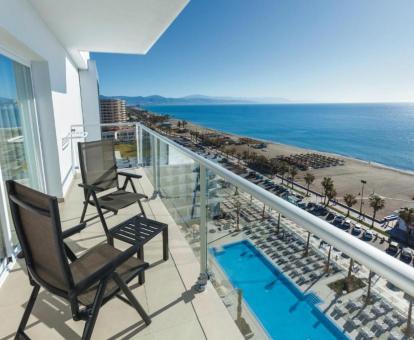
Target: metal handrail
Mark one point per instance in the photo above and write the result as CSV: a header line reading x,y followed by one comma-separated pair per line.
x,y
392,269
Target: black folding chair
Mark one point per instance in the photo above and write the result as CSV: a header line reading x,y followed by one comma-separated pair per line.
x,y
99,174
87,282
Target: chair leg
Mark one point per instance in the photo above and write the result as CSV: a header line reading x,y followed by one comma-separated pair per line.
x,y
142,209
27,312
132,299
85,206
101,217
90,324
141,275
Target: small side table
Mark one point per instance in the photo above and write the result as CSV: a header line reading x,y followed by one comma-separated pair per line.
x,y
139,228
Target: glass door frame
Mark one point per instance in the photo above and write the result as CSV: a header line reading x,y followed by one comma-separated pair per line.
x,y
5,220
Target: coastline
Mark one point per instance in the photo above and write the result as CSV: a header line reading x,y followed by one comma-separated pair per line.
x,y
391,183
301,149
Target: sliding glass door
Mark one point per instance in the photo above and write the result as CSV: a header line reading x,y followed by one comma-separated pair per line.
x,y
20,157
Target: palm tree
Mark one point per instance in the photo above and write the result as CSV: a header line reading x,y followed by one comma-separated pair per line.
x,y
309,178
350,200
293,172
233,151
196,135
349,276
330,195
376,203
238,206
274,169
327,185
283,169
239,156
407,215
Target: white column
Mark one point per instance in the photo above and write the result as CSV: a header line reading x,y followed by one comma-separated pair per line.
x,y
90,101
47,129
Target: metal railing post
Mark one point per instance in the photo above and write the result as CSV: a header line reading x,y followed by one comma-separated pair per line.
x,y
156,166
138,136
154,162
158,153
203,278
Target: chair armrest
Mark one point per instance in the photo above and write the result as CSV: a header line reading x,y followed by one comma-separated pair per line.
x,y
106,270
90,187
73,230
128,174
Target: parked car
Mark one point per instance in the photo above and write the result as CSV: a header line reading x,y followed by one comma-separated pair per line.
x,y
346,225
310,206
338,220
302,205
393,248
356,230
323,211
330,217
406,255
319,210
368,235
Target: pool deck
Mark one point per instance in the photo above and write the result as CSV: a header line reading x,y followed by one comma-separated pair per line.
x,y
350,319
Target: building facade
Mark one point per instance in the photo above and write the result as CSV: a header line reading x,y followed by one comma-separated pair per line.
x,y
49,85
112,111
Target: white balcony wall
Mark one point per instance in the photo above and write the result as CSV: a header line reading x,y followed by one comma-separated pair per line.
x,y
67,111
26,38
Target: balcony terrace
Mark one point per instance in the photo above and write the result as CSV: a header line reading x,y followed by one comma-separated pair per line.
x,y
168,295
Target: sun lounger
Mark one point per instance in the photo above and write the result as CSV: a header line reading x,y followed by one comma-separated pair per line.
x,y
313,276
338,311
363,334
395,335
352,305
355,323
380,325
390,322
377,311
386,306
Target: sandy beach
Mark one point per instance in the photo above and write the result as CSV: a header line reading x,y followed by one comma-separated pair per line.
x,y
395,186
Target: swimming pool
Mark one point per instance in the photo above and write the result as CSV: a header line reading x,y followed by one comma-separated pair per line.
x,y
282,309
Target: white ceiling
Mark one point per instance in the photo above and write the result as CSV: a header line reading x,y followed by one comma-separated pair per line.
x,y
116,26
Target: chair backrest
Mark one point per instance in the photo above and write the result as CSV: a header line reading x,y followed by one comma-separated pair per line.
x,y
37,223
98,164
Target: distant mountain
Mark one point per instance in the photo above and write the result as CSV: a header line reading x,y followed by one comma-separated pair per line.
x,y
196,99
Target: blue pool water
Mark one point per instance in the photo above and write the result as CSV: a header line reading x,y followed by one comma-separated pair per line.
x,y
283,310
382,133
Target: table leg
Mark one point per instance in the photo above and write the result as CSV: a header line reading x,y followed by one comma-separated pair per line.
x,y
165,244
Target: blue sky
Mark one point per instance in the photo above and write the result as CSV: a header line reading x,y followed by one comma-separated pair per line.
x,y
307,50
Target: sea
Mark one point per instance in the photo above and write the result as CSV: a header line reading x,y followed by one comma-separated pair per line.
x,y
382,133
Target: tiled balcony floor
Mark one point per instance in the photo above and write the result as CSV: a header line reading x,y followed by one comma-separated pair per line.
x,y
177,312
